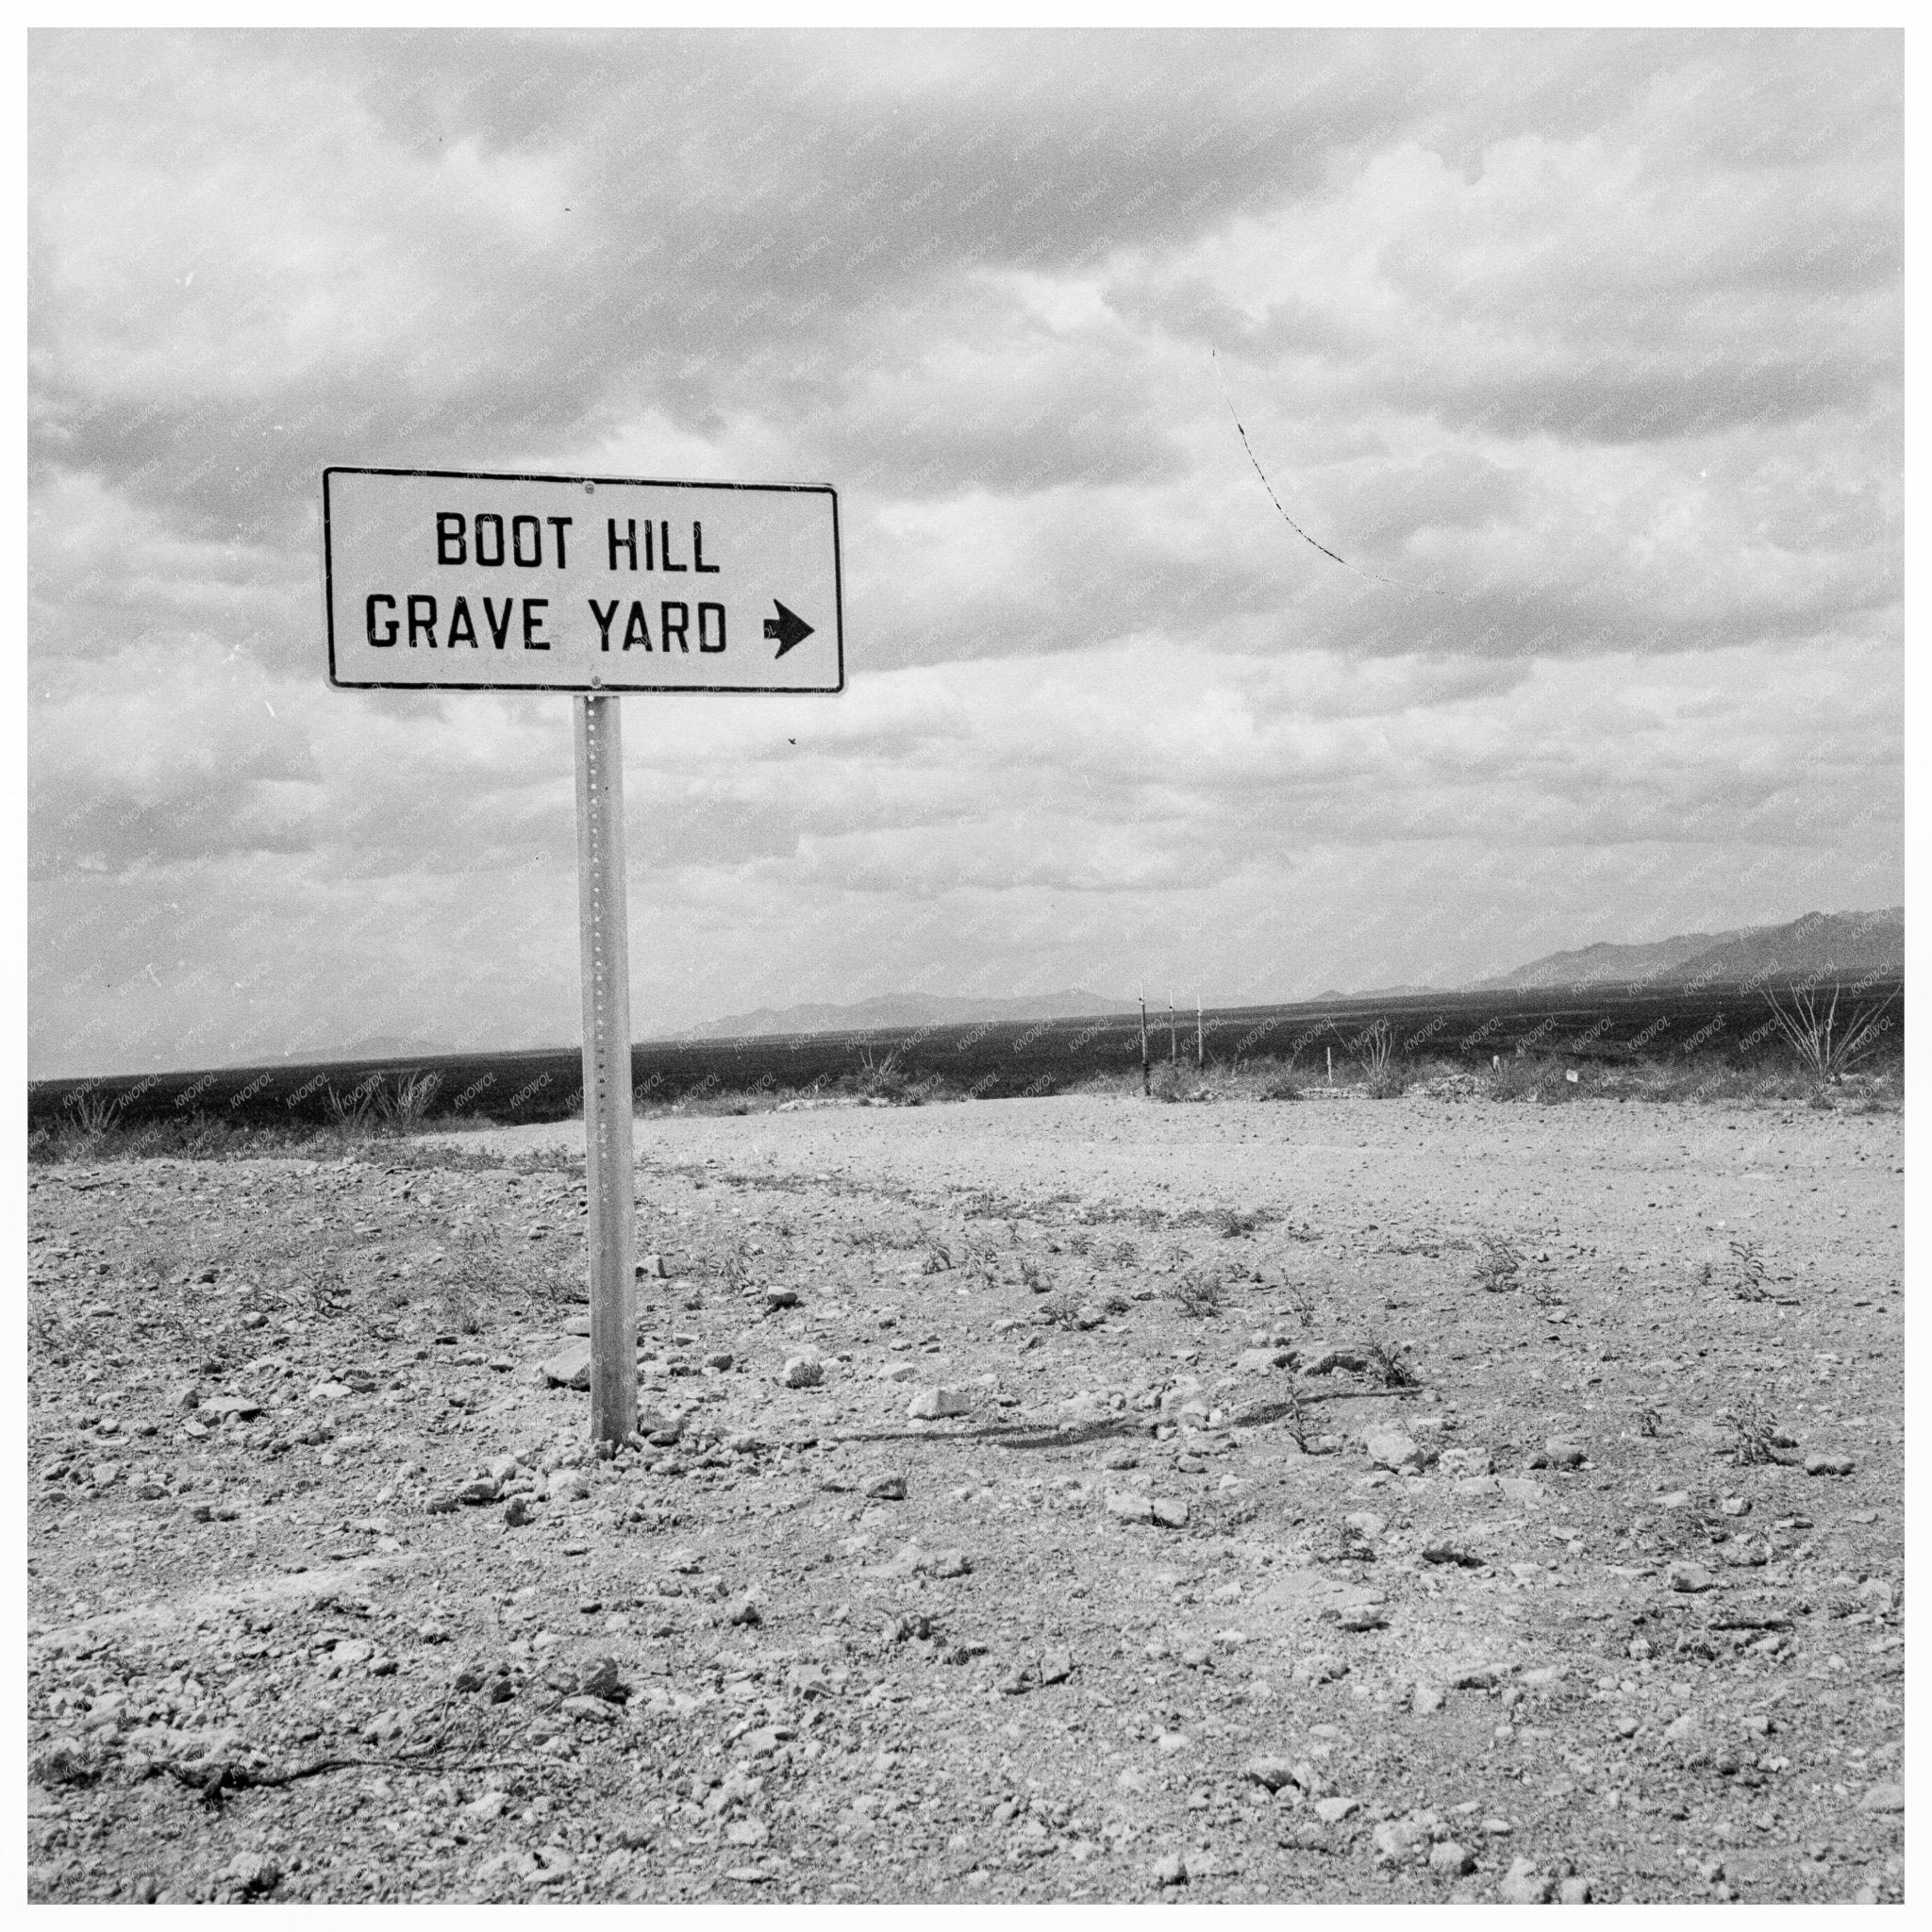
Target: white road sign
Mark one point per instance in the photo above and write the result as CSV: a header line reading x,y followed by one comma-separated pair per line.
x,y
447,580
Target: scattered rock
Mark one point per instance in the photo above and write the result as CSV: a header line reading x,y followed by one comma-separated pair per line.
x,y
1689,1577
1397,1840
567,1486
1053,1668
1178,1393
64,1761
1574,1892
478,1491
1172,1511
1393,1450
1818,1463
1426,1699
600,1678
1451,1858
1333,1810
1272,1774
930,1404
1564,1453
568,1368
1319,1668
803,1372
1170,1870
253,1873
240,1407
1131,1505
1884,1798
887,1489
1524,1885
517,1512
1328,1362
1452,1553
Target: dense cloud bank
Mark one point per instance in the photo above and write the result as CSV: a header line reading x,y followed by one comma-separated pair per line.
x,y
1582,350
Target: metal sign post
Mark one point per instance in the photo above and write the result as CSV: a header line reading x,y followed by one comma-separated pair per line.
x,y
451,580
605,944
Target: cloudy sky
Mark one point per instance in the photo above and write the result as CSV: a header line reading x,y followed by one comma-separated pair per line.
x,y
1584,351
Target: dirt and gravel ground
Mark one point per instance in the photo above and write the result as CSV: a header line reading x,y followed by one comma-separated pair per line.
x,y
1292,1539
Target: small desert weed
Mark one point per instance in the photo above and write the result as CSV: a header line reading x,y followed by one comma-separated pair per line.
x,y
1200,1292
1389,1364
1754,1429
1498,1262
1747,1271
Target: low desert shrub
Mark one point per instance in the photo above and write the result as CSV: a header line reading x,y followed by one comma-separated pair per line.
x,y
1498,1262
1170,1083
1754,1434
1200,1292
1373,1049
1390,1364
409,1103
1825,1046
1295,1420
1231,1222
1746,1275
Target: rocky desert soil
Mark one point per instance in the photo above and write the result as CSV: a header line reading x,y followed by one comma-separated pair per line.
x,y
1039,1499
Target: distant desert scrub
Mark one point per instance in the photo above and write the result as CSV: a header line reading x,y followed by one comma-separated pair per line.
x,y
1239,1078
1823,1045
1373,1050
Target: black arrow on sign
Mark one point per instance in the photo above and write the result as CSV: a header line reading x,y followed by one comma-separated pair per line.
x,y
788,628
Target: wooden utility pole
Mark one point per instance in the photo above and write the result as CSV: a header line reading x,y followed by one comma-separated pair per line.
x,y
1146,1074
1200,1043
1173,1051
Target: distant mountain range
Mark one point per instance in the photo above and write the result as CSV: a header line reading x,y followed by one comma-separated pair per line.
x,y
897,1011
1842,942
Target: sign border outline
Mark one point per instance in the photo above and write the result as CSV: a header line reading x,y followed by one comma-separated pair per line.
x,y
788,690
